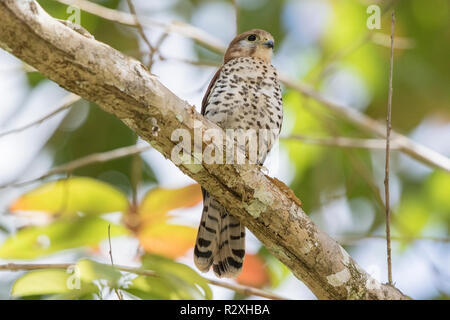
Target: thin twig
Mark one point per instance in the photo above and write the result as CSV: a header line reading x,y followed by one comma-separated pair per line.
x,y
179,27
156,48
66,103
142,33
110,247
139,26
81,162
153,49
343,142
236,14
246,290
388,135
118,294
349,239
198,63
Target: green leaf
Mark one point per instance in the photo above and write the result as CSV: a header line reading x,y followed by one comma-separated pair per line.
x,y
159,288
91,271
438,186
276,269
412,215
51,281
65,285
67,197
178,274
174,281
35,78
33,242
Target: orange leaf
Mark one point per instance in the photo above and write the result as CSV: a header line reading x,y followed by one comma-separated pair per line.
x,y
166,239
254,272
159,201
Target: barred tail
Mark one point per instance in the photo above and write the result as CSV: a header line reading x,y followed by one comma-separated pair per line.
x,y
206,244
220,240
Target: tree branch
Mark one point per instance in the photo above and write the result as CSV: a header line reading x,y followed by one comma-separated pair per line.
x,y
66,103
341,142
369,125
93,158
123,87
124,18
351,239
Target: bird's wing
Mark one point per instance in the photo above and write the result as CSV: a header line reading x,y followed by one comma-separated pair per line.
x,y
208,91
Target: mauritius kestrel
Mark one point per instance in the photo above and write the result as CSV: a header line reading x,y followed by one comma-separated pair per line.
x,y
244,94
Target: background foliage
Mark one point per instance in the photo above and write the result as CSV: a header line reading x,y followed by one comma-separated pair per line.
x,y
153,210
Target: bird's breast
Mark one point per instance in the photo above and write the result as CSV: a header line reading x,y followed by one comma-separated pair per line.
x,y
246,95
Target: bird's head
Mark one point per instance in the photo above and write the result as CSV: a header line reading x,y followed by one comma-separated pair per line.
x,y
254,43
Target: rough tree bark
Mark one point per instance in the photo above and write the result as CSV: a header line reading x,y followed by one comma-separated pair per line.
x,y
123,87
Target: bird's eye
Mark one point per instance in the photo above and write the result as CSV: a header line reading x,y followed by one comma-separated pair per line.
x,y
251,37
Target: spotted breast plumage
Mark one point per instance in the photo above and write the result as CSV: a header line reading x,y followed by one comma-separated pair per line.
x,y
244,94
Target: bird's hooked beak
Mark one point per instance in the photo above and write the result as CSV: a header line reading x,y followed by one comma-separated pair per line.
x,y
269,44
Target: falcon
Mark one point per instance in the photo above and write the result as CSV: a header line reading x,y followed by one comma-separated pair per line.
x,y
244,94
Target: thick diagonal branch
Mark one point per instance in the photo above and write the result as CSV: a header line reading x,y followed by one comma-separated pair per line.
x,y
123,87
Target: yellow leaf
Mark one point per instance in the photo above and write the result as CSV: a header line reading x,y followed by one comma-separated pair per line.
x,y
69,196
168,240
51,281
34,242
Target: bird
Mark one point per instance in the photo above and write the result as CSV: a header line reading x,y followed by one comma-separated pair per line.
x,y
245,94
